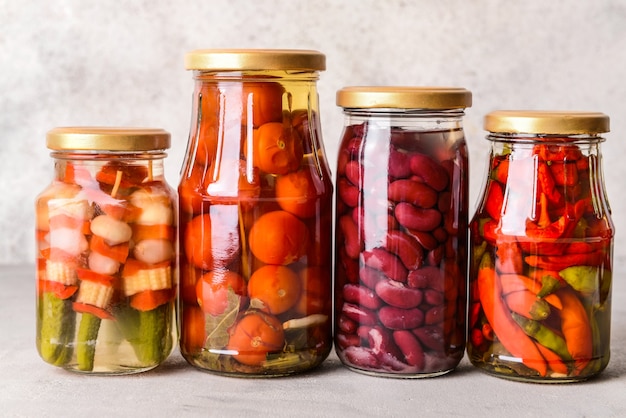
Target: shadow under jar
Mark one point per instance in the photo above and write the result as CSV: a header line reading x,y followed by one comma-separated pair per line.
x,y
541,250
106,252
255,216
401,230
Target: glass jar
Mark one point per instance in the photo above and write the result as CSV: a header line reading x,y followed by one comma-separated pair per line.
x,y
541,249
401,230
106,246
256,215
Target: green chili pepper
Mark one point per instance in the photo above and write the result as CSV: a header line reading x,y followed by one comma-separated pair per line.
x,y
549,284
56,329
543,335
86,341
583,279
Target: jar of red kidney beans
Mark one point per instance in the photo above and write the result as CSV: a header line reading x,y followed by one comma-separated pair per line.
x,y
401,230
541,246
255,215
106,229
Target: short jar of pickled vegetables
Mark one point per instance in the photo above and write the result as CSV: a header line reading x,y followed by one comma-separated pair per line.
x,y
401,230
541,249
106,238
255,215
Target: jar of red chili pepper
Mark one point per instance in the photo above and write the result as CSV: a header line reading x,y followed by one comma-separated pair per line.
x,y
401,230
541,249
106,245
256,215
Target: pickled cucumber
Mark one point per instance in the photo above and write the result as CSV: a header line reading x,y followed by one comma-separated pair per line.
x,y
57,322
86,341
148,332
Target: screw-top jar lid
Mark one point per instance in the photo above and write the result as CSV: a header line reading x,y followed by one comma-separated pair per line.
x,y
255,59
107,139
546,122
404,97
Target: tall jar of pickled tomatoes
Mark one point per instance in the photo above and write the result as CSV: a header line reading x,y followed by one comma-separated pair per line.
x,y
401,230
255,215
541,249
106,252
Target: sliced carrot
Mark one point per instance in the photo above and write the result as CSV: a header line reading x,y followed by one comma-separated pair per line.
x,y
64,221
90,275
56,254
94,310
118,252
162,231
131,174
150,299
59,289
132,266
69,176
123,212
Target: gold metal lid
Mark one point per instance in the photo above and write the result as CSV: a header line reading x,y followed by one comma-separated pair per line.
x,y
546,122
255,59
92,138
397,97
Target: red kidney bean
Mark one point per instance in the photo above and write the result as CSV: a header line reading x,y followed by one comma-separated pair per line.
x,y
381,259
347,340
369,277
361,295
440,235
363,333
418,194
398,295
433,297
410,347
354,173
426,277
352,243
431,337
406,248
434,315
348,193
346,324
350,266
419,219
397,318
361,357
359,314
425,239
435,256
430,171
381,341
444,202
399,164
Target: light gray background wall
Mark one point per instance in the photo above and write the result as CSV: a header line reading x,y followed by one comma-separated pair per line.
x,y
77,62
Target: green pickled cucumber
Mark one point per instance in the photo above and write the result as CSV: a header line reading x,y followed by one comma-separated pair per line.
x,y
86,341
148,332
57,322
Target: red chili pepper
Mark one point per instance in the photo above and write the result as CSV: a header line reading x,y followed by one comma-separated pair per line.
x,y
487,229
94,310
509,257
495,200
560,262
565,174
500,172
546,183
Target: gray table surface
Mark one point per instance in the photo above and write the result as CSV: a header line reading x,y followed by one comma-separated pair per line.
x,y
31,388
